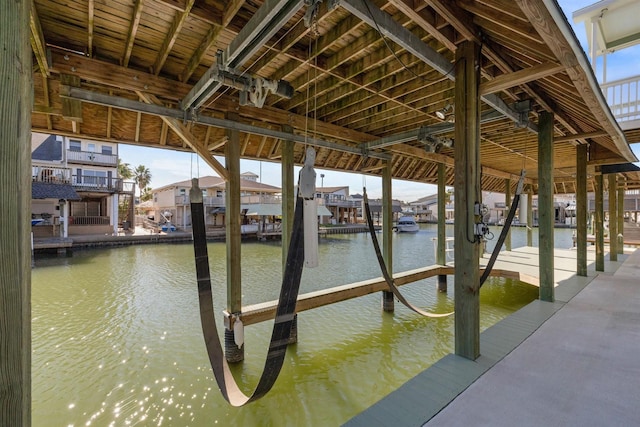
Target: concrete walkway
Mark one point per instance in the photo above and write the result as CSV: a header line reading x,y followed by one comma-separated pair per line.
x,y
574,362
580,368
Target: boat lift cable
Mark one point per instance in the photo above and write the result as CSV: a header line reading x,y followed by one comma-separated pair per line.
x,y
392,287
505,230
285,311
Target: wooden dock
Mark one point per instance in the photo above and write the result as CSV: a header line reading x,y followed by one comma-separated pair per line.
x,y
569,362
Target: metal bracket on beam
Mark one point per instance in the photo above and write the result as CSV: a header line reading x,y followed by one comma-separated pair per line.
x,y
253,90
311,14
432,143
522,108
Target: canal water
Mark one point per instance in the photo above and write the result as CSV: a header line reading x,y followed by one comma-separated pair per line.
x,y
117,338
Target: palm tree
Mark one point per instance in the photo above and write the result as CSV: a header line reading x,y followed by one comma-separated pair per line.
x,y
142,177
124,170
147,194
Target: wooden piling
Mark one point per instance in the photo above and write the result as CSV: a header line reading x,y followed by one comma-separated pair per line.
x,y
620,240
546,211
15,200
613,217
387,250
507,203
233,353
441,254
530,215
599,222
581,209
467,182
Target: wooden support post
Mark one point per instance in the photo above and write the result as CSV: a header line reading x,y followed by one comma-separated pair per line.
x,y
546,211
288,204
581,209
467,182
613,217
599,229
288,196
16,99
507,203
233,236
387,250
441,254
530,216
620,240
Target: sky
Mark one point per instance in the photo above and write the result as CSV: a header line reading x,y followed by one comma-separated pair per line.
x,y
168,166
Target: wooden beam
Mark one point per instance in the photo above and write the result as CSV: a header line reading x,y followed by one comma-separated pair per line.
x,y
138,120
516,78
579,136
187,137
265,311
230,10
428,23
38,43
125,78
47,101
90,19
171,37
133,29
71,108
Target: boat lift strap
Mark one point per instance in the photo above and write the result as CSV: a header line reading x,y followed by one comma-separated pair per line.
x,y
392,287
285,311
505,230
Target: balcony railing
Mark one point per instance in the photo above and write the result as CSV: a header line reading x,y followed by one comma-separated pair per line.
x,y
89,220
623,97
58,175
210,201
91,158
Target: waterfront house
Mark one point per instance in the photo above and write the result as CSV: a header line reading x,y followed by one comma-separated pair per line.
x,y
171,202
75,186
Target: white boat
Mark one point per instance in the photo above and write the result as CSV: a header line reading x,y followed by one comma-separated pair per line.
x,y
407,224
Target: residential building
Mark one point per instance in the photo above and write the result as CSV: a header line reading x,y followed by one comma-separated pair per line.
x,y
171,202
75,187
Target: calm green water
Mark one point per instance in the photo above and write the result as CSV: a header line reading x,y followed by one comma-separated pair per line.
x,y
117,338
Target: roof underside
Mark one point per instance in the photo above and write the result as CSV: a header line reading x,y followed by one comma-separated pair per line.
x,y
351,85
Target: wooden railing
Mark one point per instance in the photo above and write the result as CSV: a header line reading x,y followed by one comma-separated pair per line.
x,y
89,220
53,174
623,97
91,158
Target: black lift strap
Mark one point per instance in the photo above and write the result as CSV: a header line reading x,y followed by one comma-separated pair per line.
x,y
392,287
284,314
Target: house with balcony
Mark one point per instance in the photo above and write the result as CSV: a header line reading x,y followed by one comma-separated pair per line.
x,y
340,207
75,187
259,202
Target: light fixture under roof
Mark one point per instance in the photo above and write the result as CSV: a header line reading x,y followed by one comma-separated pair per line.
x,y
445,113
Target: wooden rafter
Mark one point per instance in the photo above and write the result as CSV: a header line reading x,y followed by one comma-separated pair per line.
x,y
38,43
516,78
204,46
133,29
90,25
186,136
172,35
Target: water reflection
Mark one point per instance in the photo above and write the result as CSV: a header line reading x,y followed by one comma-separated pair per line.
x,y
117,338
